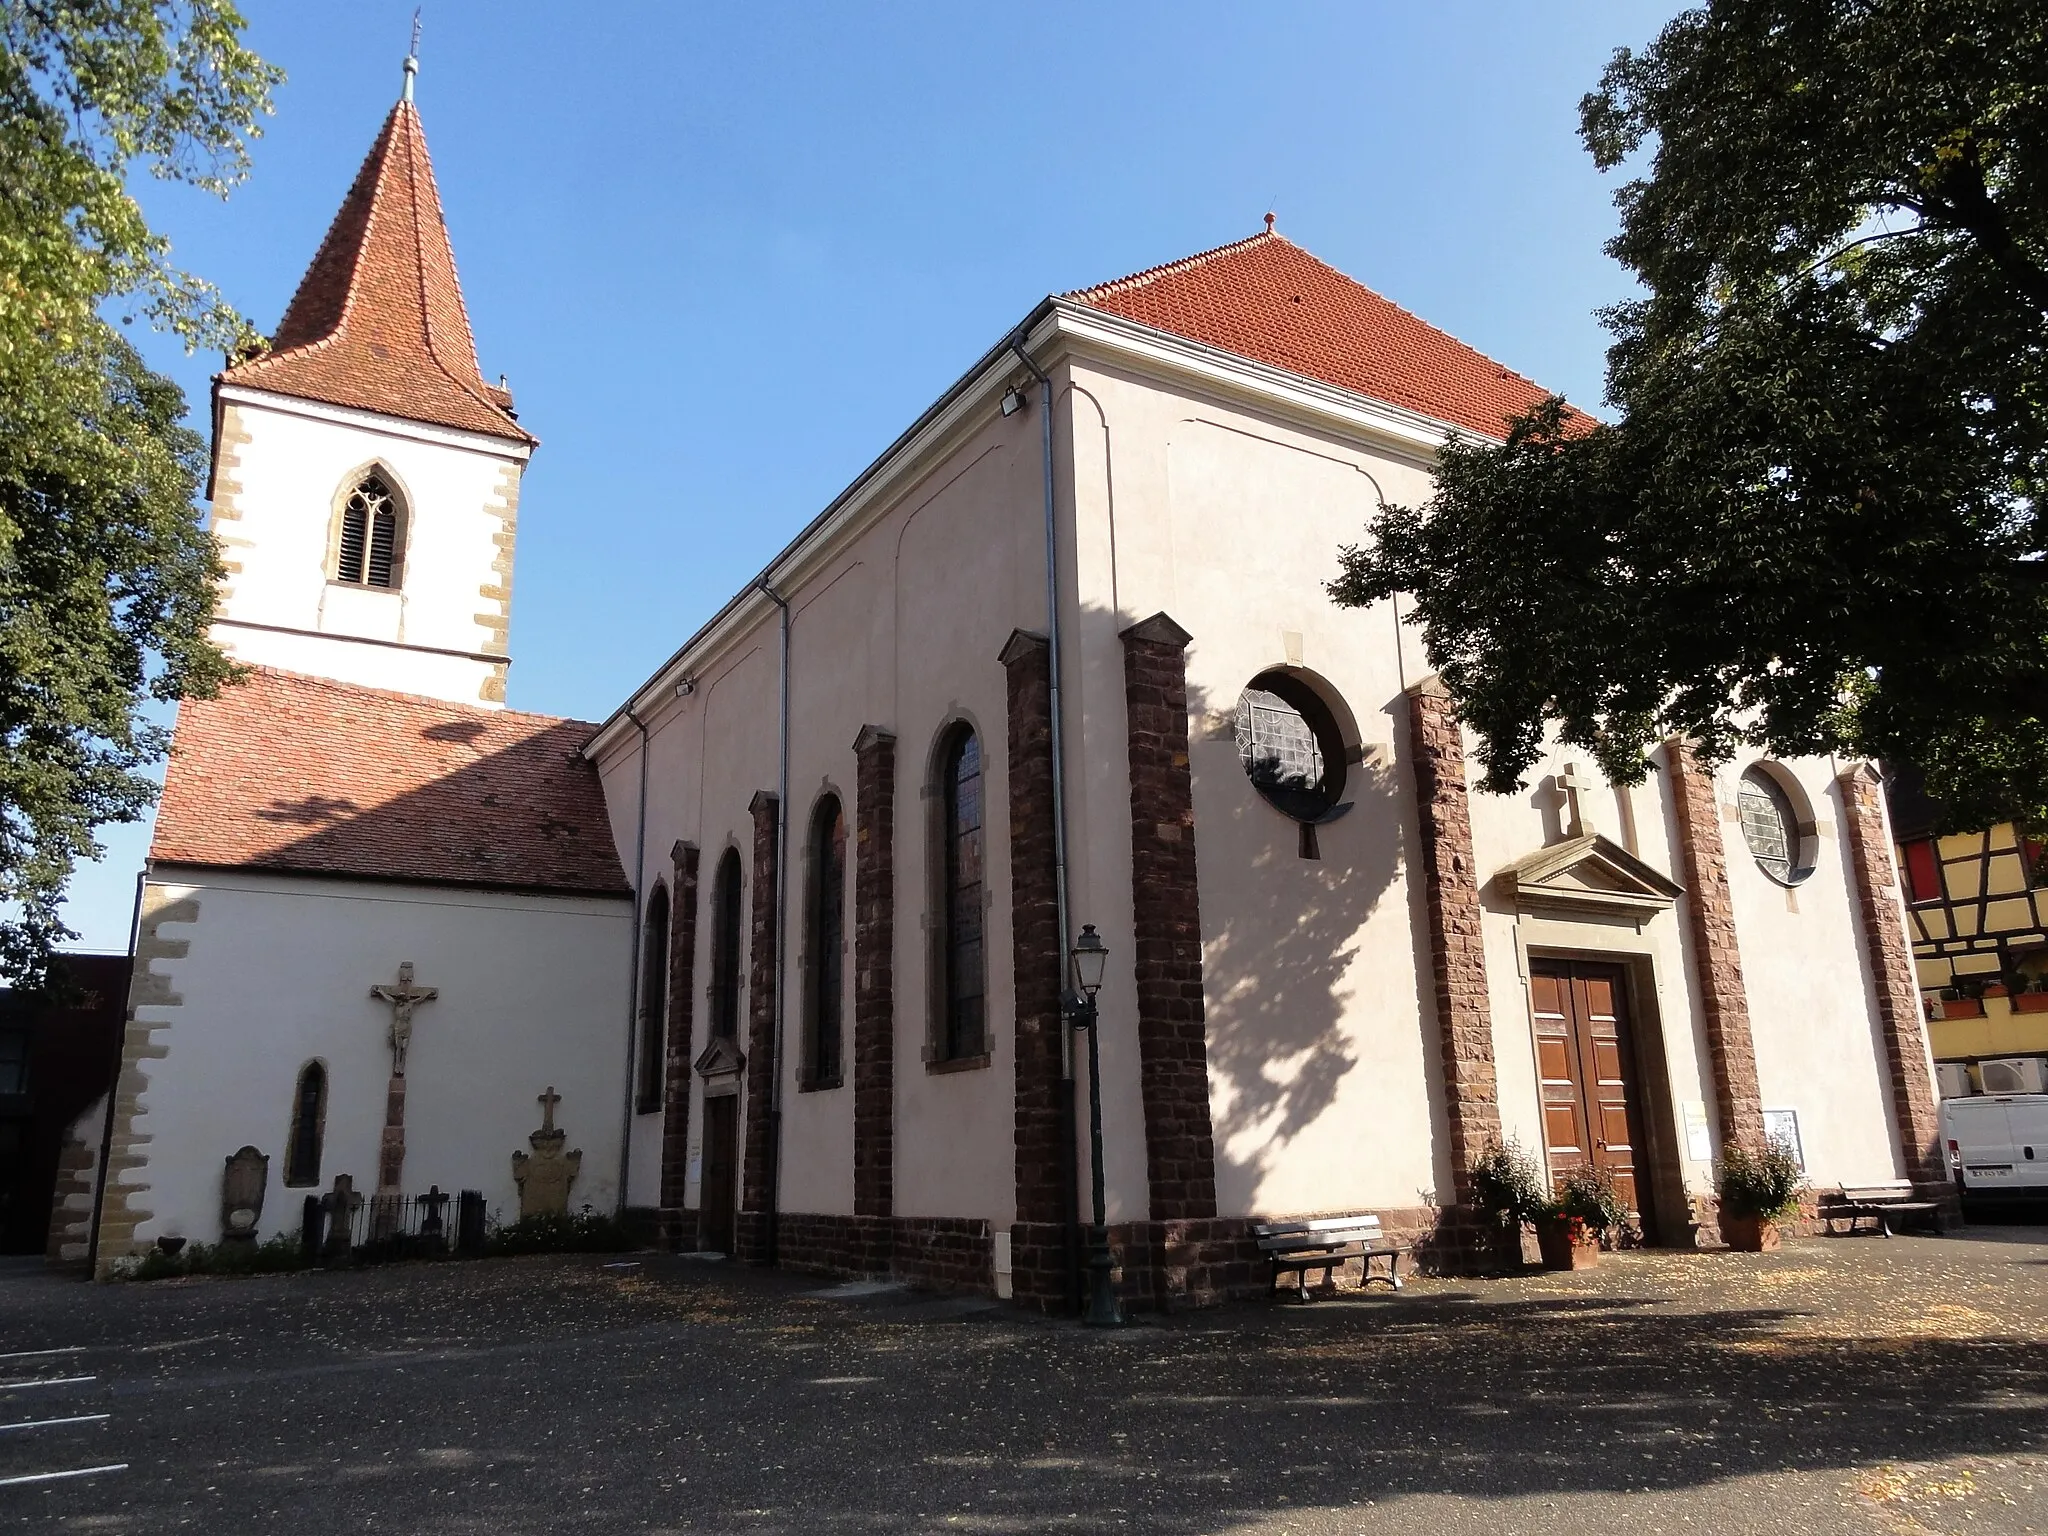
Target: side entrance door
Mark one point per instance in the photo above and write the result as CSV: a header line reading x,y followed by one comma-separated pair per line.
x,y
1585,1063
721,1155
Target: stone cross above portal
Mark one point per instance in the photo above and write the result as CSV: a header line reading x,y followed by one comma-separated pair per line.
x,y
403,998
1574,785
548,1101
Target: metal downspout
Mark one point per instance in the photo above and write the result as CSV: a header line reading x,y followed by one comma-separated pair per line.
x,y
1070,1172
781,938
633,976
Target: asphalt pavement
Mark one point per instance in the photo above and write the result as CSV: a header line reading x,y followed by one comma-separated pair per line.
x,y
1840,1385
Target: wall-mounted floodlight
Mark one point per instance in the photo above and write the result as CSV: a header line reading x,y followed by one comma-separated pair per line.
x,y
685,688
1014,400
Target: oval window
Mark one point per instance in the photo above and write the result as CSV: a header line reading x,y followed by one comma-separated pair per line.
x,y
1770,826
1290,746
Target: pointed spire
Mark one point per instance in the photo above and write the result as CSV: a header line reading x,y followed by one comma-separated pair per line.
x,y
378,321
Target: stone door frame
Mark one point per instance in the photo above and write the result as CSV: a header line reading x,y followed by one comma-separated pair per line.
x,y
1660,1167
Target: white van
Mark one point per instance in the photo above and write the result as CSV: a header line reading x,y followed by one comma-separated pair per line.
x,y
1997,1145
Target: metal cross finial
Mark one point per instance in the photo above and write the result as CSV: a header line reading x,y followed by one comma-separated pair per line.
x,y
412,57
548,1101
1574,785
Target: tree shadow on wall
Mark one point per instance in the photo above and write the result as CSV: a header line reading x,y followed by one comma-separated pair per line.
x,y
1281,937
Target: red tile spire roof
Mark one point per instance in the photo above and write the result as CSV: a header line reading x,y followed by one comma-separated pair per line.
x,y
378,321
1267,299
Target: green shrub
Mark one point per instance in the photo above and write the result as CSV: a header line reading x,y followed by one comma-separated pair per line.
x,y
1589,1193
1506,1184
272,1256
1766,1183
587,1232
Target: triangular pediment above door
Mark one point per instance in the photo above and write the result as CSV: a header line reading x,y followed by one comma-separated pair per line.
x,y
721,1058
1590,876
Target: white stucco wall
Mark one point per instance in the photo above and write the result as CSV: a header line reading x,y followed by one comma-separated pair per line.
x,y
902,628
278,972
284,467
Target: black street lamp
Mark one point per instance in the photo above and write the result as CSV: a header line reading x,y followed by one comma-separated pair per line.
x,y
1090,960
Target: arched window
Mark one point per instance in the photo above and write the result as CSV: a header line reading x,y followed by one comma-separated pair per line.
x,y
961,968
725,947
367,552
825,946
653,999
309,1123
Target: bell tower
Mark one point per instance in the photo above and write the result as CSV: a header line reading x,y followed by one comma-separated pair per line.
x,y
365,476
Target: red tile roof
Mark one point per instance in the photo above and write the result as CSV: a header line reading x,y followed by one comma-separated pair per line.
x,y
1267,299
287,772
378,320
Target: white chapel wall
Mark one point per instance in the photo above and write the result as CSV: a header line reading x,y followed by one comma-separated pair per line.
x,y
277,972
283,469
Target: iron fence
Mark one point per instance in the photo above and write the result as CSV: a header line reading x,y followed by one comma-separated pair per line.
x,y
396,1226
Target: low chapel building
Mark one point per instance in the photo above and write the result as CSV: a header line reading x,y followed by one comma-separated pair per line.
x,y
382,915
791,926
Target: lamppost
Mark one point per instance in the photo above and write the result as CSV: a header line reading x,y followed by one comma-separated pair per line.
x,y
1090,959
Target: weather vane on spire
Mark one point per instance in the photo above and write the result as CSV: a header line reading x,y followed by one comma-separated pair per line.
x,y
412,57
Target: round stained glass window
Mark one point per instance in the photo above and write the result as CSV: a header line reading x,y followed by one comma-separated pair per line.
x,y
1290,746
1770,826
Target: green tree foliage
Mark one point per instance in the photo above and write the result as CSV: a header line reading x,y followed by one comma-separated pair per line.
x,y
1816,523
106,577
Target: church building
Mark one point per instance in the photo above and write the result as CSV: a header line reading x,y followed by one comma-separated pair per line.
x,y
788,933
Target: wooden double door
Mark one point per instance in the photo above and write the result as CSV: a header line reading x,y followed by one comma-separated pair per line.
x,y
1585,1061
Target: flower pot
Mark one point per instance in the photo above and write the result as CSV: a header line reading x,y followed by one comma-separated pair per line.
x,y
1749,1234
1561,1250
2030,1002
1961,1008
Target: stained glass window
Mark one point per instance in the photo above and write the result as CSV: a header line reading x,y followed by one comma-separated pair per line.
x,y
1768,825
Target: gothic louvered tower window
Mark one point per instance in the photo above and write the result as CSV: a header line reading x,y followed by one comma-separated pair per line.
x,y
368,553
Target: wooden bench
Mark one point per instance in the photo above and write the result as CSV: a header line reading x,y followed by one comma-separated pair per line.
x,y
1884,1205
1296,1247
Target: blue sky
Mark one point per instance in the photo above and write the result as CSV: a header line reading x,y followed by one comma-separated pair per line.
x,y
726,253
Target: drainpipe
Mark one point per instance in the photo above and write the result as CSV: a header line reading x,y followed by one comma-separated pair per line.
x,y
633,975
1069,1169
99,1192
781,937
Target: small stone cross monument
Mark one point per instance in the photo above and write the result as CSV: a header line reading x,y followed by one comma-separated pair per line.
x,y
403,997
1574,786
545,1176
339,1206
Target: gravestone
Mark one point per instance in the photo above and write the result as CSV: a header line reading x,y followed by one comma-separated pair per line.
x,y
242,1184
339,1205
471,1234
433,1222
544,1177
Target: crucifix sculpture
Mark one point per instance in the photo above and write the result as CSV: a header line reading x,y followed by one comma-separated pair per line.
x,y
403,998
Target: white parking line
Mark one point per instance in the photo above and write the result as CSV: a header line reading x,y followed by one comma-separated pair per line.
x,y
53,1381
30,1354
80,1418
51,1477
